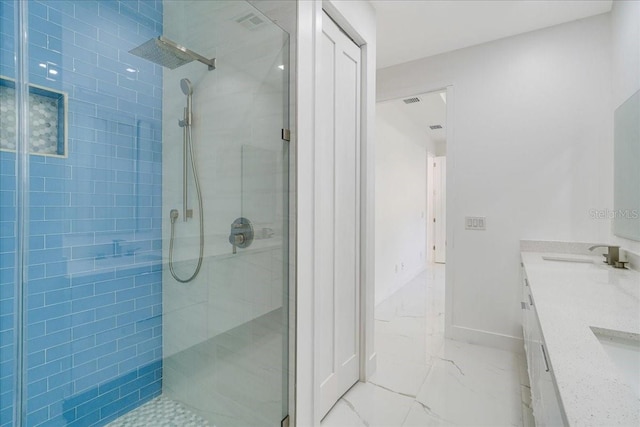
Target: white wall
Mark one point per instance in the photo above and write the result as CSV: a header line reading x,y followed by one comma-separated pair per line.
x,y
529,149
625,31
401,199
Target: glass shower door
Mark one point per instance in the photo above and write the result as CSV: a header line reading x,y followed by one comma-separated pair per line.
x,y
8,214
225,332
157,245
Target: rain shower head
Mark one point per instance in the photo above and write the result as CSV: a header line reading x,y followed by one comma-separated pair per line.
x,y
167,53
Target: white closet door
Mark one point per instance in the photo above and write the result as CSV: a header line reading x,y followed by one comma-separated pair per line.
x,y
337,217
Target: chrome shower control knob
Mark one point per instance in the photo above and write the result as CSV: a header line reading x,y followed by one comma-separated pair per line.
x,y
241,234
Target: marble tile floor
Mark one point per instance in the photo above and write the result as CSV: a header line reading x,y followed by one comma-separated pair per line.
x,y
423,379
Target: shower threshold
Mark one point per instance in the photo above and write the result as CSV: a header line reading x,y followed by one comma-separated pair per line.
x,y
160,412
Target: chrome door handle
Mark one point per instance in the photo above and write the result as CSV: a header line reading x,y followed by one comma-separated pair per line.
x,y
544,356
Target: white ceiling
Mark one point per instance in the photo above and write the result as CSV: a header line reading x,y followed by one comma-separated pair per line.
x,y
413,29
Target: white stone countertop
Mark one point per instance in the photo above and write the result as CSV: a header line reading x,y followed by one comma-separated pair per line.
x,y
570,298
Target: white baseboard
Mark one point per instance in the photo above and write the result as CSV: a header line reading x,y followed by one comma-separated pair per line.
x,y
372,366
486,338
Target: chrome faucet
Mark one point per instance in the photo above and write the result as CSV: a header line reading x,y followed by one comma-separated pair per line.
x,y
612,257
116,245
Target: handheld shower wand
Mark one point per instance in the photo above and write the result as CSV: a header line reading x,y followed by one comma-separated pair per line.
x,y
185,124
187,89
188,153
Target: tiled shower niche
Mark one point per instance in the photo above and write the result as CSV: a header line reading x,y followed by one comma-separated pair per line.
x,y
47,119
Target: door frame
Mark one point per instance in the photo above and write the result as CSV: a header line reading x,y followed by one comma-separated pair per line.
x,y
439,208
357,19
448,87
356,31
430,238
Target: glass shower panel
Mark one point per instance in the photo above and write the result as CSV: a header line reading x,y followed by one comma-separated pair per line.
x,y
94,292
7,213
151,299
225,333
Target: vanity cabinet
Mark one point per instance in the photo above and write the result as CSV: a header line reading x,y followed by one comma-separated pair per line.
x,y
545,402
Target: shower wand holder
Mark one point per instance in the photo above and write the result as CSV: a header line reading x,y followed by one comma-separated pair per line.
x,y
241,235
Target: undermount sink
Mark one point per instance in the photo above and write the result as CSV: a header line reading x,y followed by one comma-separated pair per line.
x,y
568,259
624,351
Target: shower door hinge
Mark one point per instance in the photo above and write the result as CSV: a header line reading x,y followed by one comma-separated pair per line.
x,y
286,134
285,420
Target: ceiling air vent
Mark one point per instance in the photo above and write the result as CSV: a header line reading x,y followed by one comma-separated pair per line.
x,y
411,100
434,127
250,21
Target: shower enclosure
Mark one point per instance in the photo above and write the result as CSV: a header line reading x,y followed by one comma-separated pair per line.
x,y
144,213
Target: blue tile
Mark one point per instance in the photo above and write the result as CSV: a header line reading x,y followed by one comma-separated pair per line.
x,y
45,399
148,345
39,416
81,28
54,44
49,199
92,44
118,381
35,301
78,203
115,358
112,408
90,69
48,255
91,354
55,352
98,402
44,370
44,26
35,330
49,312
94,328
148,9
47,227
93,302
54,15
38,9
37,387
114,334
50,340
97,377
58,324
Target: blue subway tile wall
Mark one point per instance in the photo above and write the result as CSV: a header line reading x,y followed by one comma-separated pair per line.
x,y
94,328
7,233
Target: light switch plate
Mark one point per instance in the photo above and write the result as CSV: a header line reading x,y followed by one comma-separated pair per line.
x,y
475,223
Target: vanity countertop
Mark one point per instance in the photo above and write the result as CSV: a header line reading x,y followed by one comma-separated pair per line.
x,y
570,299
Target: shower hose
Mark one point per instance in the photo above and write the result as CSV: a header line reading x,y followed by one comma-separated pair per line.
x,y
194,170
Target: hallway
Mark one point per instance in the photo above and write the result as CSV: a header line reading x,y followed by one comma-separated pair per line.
x,y
423,379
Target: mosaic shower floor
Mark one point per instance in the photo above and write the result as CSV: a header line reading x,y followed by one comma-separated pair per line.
x,y
160,412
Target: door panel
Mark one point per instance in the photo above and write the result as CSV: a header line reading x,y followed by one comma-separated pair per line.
x,y
440,209
337,216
